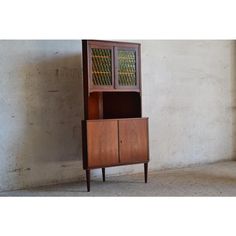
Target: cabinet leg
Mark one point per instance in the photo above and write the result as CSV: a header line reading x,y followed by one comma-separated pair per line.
x,y
88,179
145,172
103,175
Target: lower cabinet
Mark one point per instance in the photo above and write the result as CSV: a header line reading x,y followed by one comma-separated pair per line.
x,y
114,142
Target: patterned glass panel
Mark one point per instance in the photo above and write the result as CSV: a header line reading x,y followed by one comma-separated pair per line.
x,y
101,67
127,68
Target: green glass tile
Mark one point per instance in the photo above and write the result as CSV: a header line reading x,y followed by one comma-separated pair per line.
x,y
101,67
127,68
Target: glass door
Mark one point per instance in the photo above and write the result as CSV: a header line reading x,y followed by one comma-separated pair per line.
x,y
101,68
127,69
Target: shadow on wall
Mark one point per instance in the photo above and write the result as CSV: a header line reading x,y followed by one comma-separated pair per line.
x,y
54,109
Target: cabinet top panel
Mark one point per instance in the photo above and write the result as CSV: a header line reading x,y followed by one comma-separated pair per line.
x,y
112,42
102,120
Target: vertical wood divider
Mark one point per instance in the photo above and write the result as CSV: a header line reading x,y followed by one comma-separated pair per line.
x,y
118,125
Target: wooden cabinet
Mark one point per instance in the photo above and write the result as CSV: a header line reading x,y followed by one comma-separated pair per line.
x,y
112,66
116,142
114,132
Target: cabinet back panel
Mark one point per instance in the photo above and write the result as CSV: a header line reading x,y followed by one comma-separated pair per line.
x,y
121,105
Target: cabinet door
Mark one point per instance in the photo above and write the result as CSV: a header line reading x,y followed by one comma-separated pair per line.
x,y
127,73
133,140
101,72
102,143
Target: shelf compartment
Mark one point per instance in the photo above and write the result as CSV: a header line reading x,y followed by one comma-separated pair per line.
x,y
121,105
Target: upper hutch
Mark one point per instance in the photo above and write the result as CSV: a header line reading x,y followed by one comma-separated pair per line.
x,y
114,132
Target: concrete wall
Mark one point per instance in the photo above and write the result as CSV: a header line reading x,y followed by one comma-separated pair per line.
x,y
189,89
188,93
41,109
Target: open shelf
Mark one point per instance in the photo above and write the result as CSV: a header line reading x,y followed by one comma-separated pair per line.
x,y
109,105
121,105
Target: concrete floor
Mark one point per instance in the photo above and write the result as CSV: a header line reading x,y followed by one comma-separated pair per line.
x,y
218,179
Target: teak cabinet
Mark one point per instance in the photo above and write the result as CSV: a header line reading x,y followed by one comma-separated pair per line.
x,y
116,142
113,130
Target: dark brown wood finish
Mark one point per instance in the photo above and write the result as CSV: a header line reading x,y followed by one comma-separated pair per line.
x,y
88,180
103,175
84,144
85,77
145,172
113,132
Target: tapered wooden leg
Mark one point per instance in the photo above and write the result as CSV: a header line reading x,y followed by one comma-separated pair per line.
x,y
88,179
103,175
145,172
